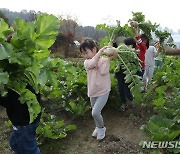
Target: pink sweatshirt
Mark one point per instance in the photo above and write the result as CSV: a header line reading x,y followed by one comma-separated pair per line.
x,y
98,76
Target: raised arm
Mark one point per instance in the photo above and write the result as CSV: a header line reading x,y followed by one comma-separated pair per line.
x,y
92,63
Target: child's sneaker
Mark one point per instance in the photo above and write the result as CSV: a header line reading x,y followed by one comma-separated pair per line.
x,y
123,107
94,134
101,133
131,104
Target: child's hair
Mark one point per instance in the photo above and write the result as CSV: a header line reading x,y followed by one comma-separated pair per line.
x,y
145,37
88,44
130,41
115,45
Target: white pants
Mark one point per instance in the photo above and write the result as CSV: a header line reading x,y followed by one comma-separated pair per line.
x,y
148,74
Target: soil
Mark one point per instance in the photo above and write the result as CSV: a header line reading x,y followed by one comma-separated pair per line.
x,y
4,133
123,134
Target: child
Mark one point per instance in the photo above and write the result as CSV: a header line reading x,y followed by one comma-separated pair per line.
x,y
99,83
23,137
123,88
151,53
142,45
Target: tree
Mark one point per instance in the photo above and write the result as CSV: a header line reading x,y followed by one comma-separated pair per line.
x,y
67,31
32,15
2,15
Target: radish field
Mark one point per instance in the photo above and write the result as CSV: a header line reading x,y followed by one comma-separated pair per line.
x,y
66,123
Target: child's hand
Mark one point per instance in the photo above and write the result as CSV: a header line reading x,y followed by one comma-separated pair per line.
x,y
158,46
103,49
110,52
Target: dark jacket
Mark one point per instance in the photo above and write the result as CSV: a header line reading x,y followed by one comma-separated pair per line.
x,y
18,113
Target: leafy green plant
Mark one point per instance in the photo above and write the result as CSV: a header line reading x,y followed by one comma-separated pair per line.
x,y
130,63
78,108
114,32
165,97
145,27
162,128
162,36
8,124
51,128
69,83
20,58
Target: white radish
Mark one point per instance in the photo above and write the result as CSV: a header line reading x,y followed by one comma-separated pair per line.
x,y
110,51
134,24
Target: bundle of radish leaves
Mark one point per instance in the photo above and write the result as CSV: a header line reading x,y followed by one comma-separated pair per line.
x,y
128,60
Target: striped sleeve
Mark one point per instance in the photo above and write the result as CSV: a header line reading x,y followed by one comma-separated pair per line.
x,y
138,40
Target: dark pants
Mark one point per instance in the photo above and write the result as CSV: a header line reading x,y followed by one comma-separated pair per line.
x,y
23,139
124,90
140,73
